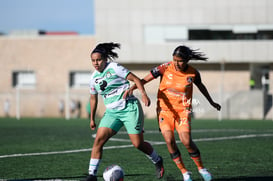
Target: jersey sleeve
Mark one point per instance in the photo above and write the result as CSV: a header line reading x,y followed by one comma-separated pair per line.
x,y
92,89
159,70
121,71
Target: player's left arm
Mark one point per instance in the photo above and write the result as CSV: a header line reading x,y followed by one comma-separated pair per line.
x,y
204,91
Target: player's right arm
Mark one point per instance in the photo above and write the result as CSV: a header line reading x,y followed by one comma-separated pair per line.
x,y
93,109
143,81
147,78
153,74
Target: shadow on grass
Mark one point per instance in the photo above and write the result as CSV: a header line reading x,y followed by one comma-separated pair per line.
x,y
140,176
82,177
265,178
76,178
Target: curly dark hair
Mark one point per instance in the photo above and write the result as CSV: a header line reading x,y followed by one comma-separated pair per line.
x,y
188,54
106,50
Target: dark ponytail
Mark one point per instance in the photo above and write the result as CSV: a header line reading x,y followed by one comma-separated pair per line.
x,y
188,54
106,50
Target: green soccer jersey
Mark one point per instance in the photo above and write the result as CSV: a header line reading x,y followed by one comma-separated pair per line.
x,y
111,85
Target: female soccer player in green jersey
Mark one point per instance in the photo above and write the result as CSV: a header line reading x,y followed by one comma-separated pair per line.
x,y
111,81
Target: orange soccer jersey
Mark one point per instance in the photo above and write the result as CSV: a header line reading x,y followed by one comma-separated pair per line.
x,y
175,93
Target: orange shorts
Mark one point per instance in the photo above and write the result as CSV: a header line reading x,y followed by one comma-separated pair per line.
x,y
170,120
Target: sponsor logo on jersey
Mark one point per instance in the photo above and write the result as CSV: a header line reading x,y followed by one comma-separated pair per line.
x,y
170,76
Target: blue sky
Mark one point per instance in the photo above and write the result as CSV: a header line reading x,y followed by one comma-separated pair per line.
x,y
48,15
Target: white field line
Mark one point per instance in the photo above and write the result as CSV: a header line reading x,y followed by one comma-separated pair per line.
x,y
130,145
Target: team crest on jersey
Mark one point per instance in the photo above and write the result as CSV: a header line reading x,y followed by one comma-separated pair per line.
x,y
189,79
108,75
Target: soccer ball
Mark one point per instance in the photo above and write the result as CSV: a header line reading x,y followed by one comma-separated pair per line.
x,y
113,173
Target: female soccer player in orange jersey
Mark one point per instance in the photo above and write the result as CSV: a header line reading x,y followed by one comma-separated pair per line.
x,y
174,105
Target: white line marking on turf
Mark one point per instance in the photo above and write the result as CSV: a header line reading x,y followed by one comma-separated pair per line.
x,y
44,153
127,146
204,131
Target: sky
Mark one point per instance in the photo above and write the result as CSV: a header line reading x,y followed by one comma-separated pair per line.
x,y
47,15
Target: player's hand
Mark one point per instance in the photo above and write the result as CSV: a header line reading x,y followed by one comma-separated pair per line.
x,y
127,93
146,100
216,106
93,125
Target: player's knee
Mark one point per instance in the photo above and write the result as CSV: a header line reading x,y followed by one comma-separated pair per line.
x,y
99,141
170,141
187,144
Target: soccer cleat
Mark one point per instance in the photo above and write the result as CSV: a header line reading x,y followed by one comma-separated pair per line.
x,y
91,178
159,168
187,176
205,174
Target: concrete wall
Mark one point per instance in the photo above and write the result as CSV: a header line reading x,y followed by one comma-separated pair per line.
x,y
51,59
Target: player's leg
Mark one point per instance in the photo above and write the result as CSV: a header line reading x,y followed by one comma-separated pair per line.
x,y
184,132
192,149
174,151
166,123
102,136
183,127
145,147
133,120
139,143
108,127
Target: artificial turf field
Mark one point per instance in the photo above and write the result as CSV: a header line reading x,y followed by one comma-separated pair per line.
x,y
59,149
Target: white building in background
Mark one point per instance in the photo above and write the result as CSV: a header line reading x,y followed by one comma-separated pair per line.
x,y
228,29
236,35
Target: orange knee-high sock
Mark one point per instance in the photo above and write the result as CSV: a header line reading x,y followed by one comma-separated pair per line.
x,y
196,157
179,163
176,157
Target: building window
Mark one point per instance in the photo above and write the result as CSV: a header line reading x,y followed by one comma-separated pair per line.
x,y
178,33
24,79
79,79
229,35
